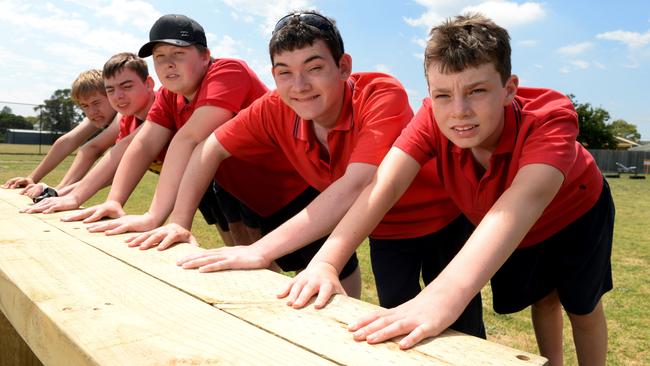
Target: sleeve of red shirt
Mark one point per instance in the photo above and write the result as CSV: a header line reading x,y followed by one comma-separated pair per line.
x,y
419,136
552,138
383,112
124,130
246,136
226,85
161,111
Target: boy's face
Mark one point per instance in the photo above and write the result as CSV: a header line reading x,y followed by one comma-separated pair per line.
x,y
180,69
128,94
97,108
309,82
468,105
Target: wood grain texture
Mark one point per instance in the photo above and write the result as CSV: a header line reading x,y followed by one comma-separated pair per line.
x,y
250,296
13,349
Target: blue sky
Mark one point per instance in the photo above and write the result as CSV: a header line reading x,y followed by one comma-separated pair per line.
x,y
599,51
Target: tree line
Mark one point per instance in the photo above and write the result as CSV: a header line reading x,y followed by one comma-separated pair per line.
x,y
60,114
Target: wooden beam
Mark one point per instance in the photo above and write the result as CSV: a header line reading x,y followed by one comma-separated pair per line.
x,y
13,349
77,306
250,296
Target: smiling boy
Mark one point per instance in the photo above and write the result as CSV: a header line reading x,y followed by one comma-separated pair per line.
x,y
509,158
130,91
199,93
89,94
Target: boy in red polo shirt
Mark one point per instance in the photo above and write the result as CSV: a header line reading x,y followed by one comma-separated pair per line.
x,y
88,93
509,158
129,89
199,93
334,127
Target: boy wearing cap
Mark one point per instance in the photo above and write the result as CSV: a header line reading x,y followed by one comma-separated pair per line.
x,y
199,93
130,91
334,127
510,160
88,93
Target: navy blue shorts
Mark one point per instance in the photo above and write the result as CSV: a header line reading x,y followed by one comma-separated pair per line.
x,y
576,261
299,259
397,265
220,207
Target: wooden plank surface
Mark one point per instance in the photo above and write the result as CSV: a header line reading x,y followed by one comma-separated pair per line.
x,y
250,296
77,306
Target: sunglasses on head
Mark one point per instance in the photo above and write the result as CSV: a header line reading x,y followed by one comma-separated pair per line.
x,y
313,20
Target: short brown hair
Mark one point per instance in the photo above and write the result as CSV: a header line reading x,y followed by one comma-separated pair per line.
x,y
87,83
128,60
466,41
296,35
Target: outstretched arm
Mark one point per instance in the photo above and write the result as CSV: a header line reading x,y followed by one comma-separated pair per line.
x,y
203,121
61,148
393,177
90,152
493,241
142,150
200,171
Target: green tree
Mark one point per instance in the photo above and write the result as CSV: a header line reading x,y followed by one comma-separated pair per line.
x,y
59,113
626,130
594,133
9,120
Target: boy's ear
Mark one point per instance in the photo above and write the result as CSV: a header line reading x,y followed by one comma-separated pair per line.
x,y
345,66
206,57
149,82
512,84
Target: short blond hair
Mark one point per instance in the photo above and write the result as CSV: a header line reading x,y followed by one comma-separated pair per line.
x,y
87,83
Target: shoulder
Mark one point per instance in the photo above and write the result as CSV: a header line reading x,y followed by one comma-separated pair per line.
x,y
542,104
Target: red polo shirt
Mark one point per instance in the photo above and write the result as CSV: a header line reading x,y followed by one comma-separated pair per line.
x,y
540,127
232,85
375,110
128,124
228,84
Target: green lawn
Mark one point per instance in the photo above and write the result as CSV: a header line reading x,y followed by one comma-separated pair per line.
x,y
628,316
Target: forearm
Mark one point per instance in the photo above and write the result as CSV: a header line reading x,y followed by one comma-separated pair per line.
x,y
59,151
319,218
100,176
131,169
178,156
82,163
200,171
393,178
496,237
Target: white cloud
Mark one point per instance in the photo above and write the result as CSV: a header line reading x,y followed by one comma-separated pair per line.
x,y
505,13
57,22
528,43
419,56
599,65
112,41
227,47
422,42
539,66
383,68
575,48
631,39
79,56
509,14
269,11
581,64
565,70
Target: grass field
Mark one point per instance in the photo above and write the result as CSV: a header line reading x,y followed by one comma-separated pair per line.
x,y
628,313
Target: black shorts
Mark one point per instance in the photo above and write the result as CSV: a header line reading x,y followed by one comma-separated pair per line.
x,y
576,261
299,259
220,207
397,265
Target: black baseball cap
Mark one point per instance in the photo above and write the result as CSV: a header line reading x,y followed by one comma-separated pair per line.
x,y
174,29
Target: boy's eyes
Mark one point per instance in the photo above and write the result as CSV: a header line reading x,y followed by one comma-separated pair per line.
x,y
477,91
